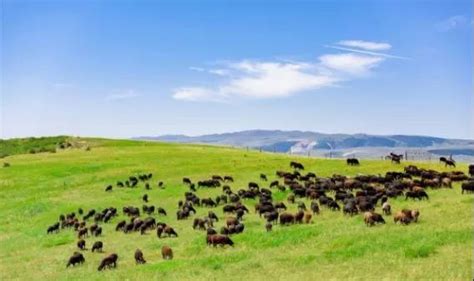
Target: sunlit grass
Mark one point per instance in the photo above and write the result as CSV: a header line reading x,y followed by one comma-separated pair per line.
x,y
38,187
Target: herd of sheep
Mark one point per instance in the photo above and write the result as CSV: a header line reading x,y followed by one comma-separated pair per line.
x,y
362,194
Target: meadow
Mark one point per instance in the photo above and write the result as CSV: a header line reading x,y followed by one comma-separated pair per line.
x,y
36,188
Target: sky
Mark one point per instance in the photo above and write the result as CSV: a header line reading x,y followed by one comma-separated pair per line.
x,y
134,68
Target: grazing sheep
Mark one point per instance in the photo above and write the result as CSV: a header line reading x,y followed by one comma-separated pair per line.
x,y
166,253
268,226
161,211
299,217
169,231
82,233
120,225
369,221
139,259
296,165
218,239
370,218
108,262
231,221
97,246
211,215
350,208
76,258
199,223
386,208
406,216
415,214
271,217
468,187
307,218
352,162
97,232
287,218
446,182
315,207
419,194
53,228
211,231
81,244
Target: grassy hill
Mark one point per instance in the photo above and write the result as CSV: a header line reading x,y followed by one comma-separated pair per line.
x,y
38,145
36,188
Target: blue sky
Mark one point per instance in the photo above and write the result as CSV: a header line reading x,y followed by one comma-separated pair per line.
x,y
123,68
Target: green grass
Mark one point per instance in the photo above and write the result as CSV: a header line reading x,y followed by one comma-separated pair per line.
x,y
38,187
39,145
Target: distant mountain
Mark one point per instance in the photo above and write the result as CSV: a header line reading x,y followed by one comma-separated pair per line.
x,y
339,144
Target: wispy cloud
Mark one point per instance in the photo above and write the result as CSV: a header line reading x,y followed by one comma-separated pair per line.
x,y
122,95
452,23
378,54
350,63
198,69
61,85
365,45
278,79
220,72
197,94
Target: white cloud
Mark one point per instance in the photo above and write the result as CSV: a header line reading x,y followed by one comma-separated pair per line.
x,y
220,72
196,94
198,69
351,63
451,23
278,79
365,45
275,79
367,52
121,95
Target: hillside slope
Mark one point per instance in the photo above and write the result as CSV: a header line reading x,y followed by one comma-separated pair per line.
x,y
36,188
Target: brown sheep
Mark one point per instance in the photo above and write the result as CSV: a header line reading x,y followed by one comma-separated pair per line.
x,y
446,182
218,239
97,246
417,188
108,262
168,230
268,226
76,258
299,217
368,219
139,259
287,218
166,253
231,221
402,217
81,244
307,217
415,214
82,233
386,208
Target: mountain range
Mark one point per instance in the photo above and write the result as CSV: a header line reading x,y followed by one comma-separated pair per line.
x,y
336,145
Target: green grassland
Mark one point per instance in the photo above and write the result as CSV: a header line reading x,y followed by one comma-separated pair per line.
x,y
36,188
